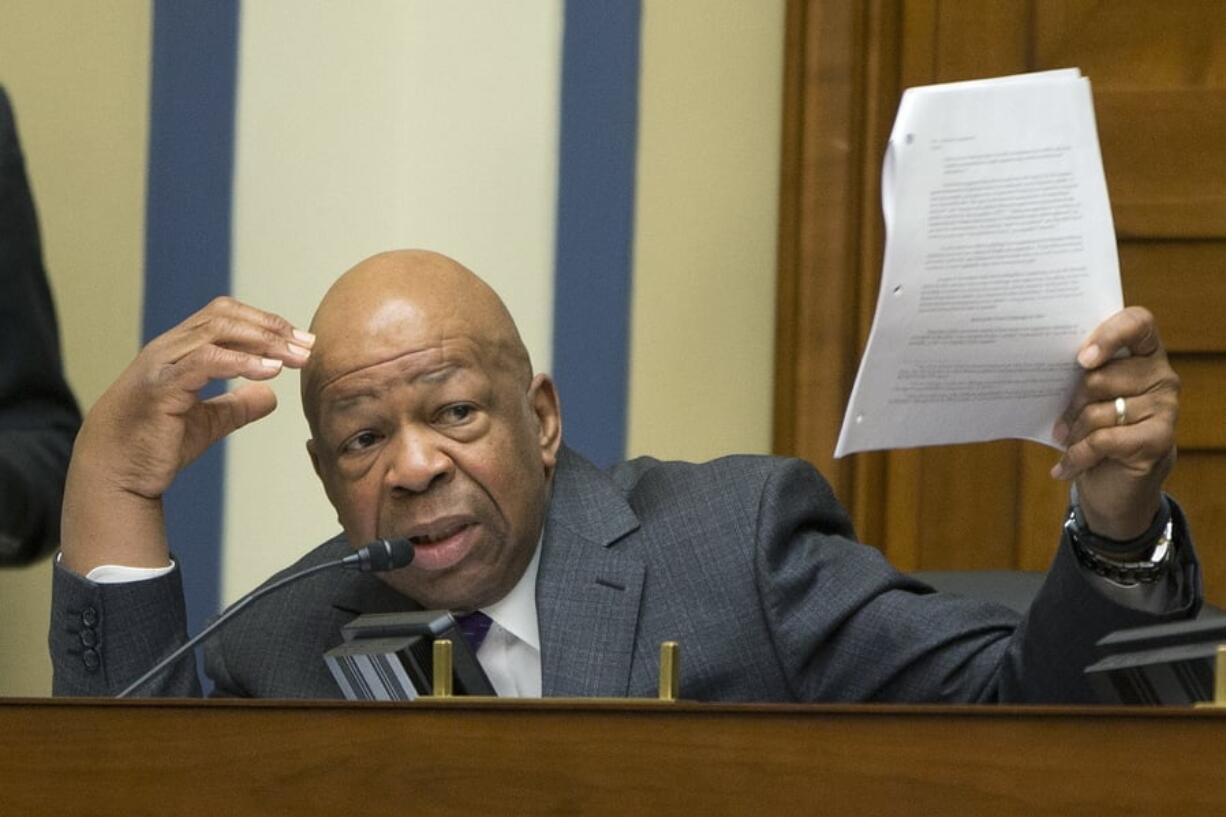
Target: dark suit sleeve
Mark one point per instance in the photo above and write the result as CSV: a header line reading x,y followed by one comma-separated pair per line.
x,y
104,636
38,415
847,626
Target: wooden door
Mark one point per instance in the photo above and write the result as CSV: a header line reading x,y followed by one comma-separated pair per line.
x,y
1158,72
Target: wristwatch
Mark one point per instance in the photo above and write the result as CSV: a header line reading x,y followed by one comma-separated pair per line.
x,y
1091,549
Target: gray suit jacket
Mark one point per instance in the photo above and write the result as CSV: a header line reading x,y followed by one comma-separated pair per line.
x,y
749,562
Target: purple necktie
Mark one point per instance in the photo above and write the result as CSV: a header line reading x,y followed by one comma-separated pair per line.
x,y
474,625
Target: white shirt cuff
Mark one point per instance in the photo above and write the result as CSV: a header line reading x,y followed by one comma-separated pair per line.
x,y
119,574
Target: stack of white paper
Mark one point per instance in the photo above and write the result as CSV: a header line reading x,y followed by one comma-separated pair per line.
x,y
1000,258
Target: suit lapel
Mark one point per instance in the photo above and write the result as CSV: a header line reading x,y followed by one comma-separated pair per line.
x,y
588,591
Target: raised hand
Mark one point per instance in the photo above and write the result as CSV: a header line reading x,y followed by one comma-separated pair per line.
x,y
152,422
1119,428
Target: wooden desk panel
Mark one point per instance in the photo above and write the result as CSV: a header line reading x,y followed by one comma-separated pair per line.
x,y
567,757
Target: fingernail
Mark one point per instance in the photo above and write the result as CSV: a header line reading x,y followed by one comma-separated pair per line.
x,y
270,363
305,337
1057,471
1089,356
298,350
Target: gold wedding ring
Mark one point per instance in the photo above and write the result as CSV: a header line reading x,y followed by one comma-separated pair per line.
x,y
1121,411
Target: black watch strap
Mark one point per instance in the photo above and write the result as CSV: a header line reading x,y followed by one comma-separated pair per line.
x,y
1093,551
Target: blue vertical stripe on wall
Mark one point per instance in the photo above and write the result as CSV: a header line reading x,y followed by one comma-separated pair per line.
x,y
187,239
595,223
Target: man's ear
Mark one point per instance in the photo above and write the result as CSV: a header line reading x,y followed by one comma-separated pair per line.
x,y
543,399
314,455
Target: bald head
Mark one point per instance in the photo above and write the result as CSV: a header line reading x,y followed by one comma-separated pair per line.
x,y
398,302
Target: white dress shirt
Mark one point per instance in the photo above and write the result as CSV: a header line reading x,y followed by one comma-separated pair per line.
x,y
511,651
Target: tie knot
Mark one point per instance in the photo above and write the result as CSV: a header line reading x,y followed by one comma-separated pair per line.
x,y
474,626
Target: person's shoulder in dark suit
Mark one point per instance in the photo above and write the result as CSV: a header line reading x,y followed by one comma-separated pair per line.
x,y
38,415
682,489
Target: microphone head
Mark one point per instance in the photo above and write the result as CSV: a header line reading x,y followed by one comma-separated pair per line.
x,y
389,554
401,551
385,554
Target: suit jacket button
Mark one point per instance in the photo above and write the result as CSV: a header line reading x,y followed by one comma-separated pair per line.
x,y
91,659
89,638
89,616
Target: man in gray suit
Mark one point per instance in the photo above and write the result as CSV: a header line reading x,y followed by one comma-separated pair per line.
x,y
427,422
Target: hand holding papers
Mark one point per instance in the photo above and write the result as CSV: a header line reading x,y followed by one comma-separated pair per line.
x,y
1000,259
999,313
1119,427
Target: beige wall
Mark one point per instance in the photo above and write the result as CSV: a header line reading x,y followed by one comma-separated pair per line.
x,y
78,77
703,317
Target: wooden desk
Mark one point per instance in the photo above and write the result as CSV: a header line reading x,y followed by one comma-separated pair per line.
x,y
575,757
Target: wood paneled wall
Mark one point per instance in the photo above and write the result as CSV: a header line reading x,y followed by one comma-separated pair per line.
x,y
1159,77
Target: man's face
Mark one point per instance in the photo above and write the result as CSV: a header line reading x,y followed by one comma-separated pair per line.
x,y
425,431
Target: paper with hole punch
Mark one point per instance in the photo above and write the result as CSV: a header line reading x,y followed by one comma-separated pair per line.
x,y
1000,258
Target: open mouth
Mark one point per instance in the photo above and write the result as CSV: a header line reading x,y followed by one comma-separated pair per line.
x,y
439,536
443,546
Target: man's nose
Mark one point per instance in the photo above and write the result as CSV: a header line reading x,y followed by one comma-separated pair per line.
x,y
418,462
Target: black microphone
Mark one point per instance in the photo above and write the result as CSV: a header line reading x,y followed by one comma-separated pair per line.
x,y
378,556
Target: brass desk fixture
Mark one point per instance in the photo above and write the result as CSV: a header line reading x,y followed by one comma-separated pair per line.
x,y
670,671
442,668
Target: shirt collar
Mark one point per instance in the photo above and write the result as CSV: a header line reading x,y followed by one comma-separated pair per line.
x,y
516,611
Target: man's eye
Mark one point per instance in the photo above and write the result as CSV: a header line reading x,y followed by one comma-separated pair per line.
x,y
454,415
361,441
